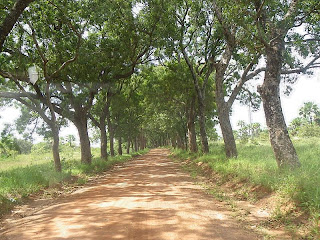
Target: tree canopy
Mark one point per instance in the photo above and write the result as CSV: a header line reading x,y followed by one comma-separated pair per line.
x,y
155,72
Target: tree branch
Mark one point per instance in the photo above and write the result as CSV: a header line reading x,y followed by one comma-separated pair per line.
x,y
11,19
311,64
15,95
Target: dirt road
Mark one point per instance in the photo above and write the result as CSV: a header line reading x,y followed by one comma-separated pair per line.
x,y
149,198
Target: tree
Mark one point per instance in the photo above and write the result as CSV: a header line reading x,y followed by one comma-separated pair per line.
x,y
8,144
126,40
70,139
310,112
196,43
273,22
39,43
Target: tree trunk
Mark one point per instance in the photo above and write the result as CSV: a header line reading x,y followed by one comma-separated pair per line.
x,y
128,146
120,146
192,138
55,148
223,111
135,145
283,148
173,143
202,123
111,139
82,127
226,129
103,141
179,141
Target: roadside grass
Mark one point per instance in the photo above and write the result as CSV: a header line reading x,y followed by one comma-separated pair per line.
x,y
256,164
27,174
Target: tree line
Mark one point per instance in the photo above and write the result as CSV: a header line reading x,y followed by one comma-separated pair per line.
x,y
155,72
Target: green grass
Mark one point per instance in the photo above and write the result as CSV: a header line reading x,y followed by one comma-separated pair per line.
x,y
26,174
256,164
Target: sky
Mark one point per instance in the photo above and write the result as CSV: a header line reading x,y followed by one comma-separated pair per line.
x,y
306,89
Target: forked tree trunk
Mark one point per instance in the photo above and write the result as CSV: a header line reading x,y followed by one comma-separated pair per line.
x,y
192,138
82,127
283,148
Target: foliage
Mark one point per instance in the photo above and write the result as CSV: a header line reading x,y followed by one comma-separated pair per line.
x,y
307,125
10,145
309,130
310,112
247,131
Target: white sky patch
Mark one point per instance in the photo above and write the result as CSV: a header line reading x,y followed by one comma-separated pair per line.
x,y
136,9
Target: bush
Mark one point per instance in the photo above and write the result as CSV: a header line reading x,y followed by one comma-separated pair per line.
x,y
309,130
42,147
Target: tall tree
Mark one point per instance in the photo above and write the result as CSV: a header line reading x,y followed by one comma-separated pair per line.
x,y
39,43
273,21
196,43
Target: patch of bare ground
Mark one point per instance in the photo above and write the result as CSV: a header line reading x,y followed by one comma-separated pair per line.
x,y
258,207
149,198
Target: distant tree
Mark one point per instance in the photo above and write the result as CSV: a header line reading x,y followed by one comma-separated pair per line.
x,y
24,146
295,124
8,145
310,112
70,139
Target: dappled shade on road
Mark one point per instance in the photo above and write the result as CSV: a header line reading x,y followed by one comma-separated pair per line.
x,y
148,198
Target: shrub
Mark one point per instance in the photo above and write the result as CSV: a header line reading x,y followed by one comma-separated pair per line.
x,y
309,130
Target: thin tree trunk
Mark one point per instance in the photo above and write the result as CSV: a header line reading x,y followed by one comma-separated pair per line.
x,y
111,139
55,148
173,143
179,141
128,146
120,146
135,145
103,141
202,124
192,138
283,148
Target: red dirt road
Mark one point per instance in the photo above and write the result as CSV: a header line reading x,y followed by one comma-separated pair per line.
x,y
149,198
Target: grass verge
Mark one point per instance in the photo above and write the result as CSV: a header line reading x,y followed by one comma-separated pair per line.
x,y
256,165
